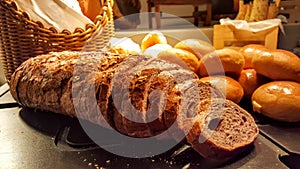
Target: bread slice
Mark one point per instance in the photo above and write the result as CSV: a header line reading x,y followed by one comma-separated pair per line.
x,y
220,130
159,97
186,97
139,100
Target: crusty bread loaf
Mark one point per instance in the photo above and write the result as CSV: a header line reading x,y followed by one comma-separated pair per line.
x,y
230,88
250,81
279,100
152,96
65,81
220,130
277,65
138,95
221,61
196,46
152,75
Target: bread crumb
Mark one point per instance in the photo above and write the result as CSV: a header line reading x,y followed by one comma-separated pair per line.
x,y
186,166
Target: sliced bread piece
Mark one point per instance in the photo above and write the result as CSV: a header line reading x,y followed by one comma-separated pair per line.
x,y
221,130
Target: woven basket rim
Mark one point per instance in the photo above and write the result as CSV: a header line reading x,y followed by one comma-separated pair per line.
x,y
99,20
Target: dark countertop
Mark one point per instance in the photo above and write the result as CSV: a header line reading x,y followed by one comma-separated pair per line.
x,y
31,139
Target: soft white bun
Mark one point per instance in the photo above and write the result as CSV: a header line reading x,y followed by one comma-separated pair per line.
x,y
156,49
124,46
279,100
181,57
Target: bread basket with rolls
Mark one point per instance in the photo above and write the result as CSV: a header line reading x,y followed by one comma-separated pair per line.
x,y
22,37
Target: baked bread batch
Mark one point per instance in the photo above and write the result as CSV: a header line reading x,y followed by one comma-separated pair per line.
x,y
137,95
189,85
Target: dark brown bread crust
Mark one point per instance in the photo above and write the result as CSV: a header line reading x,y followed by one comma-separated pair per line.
x,y
138,95
65,81
142,96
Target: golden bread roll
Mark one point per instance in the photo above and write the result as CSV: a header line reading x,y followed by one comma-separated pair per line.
x,y
196,46
181,57
152,38
236,48
221,61
250,81
249,51
277,65
231,89
156,49
279,100
291,54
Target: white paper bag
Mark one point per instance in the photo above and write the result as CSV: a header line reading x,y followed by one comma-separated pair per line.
x,y
55,13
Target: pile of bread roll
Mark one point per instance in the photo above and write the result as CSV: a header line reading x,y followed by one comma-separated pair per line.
x,y
269,78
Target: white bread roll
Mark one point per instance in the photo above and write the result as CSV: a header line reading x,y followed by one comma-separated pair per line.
x,y
230,88
196,46
156,49
277,65
279,100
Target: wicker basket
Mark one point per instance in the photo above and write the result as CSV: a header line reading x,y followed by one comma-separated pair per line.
x,y
22,38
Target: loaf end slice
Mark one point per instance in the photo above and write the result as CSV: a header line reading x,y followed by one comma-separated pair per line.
x,y
221,130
